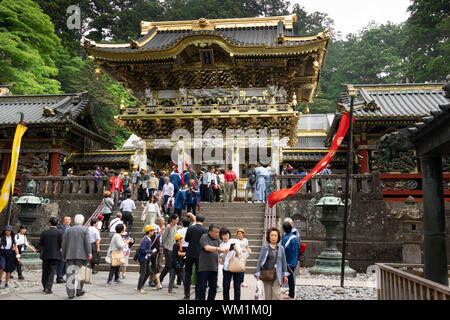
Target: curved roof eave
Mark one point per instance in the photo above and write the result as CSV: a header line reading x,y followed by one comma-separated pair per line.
x,y
120,53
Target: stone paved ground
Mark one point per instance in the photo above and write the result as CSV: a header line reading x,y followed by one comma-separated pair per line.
x,y
309,287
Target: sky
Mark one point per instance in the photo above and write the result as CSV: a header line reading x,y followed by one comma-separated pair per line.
x,y
352,15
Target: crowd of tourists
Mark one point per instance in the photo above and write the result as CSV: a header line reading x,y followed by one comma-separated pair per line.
x,y
181,248
212,254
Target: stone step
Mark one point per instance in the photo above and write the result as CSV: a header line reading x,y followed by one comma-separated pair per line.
x,y
241,220
254,246
139,236
232,204
250,268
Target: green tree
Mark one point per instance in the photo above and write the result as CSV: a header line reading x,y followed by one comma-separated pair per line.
x,y
105,96
311,23
27,46
428,45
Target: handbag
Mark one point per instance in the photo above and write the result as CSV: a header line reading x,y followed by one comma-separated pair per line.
x,y
85,274
236,265
267,274
117,258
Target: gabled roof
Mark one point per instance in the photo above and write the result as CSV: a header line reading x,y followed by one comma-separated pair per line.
x,y
101,157
46,110
41,109
259,33
394,100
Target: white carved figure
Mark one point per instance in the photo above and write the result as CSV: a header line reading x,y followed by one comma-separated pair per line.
x,y
148,94
183,94
272,90
206,93
281,95
219,92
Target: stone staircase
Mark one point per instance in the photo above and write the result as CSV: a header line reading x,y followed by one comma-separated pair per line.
x,y
249,216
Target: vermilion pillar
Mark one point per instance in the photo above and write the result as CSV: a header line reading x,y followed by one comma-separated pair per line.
x,y
364,153
364,161
54,164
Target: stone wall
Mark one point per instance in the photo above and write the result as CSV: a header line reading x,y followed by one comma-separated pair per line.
x,y
57,208
373,233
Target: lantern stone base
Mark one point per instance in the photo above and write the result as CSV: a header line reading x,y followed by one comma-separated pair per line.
x,y
31,260
329,263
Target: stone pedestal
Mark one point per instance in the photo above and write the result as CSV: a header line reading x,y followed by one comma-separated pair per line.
x,y
329,260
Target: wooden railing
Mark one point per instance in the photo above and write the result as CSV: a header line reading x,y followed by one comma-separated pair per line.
x,y
404,282
67,188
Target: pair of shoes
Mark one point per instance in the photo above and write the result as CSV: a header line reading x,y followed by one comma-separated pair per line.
x,y
171,292
81,293
158,288
6,286
244,285
48,291
110,284
94,271
141,291
117,281
60,281
71,297
186,298
21,278
152,283
123,276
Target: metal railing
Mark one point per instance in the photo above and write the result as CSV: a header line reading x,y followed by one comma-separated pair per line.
x,y
270,217
404,282
94,215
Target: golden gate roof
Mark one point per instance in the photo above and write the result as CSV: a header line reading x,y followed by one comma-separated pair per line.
x,y
239,37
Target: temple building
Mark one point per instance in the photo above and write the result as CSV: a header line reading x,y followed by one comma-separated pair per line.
x,y
312,130
58,125
380,109
212,76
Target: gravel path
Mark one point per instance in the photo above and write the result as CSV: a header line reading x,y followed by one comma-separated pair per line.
x,y
361,287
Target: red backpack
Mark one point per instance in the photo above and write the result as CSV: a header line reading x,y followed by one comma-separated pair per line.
x,y
301,250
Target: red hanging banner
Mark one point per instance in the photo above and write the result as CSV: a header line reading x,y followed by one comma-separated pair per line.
x,y
282,194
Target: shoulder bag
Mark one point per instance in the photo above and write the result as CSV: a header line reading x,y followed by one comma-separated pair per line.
x,y
236,265
117,258
269,274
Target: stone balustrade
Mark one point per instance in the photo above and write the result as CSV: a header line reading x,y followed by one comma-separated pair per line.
x,y
67,188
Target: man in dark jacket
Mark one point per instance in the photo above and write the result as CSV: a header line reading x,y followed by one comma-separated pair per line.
x,y
193,235
50,246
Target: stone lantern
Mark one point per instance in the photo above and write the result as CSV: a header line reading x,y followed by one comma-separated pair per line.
x,y
329,260
28,214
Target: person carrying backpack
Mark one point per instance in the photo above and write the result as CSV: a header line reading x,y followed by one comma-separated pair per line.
x,y
251,183
291,247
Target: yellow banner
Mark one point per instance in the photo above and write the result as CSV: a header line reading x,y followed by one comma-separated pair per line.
x,y
8,185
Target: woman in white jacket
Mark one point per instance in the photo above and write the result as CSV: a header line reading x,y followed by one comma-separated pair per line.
x,y
151,213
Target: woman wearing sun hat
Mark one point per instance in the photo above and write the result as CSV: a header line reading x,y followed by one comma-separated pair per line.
x,y
245,249
8,253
